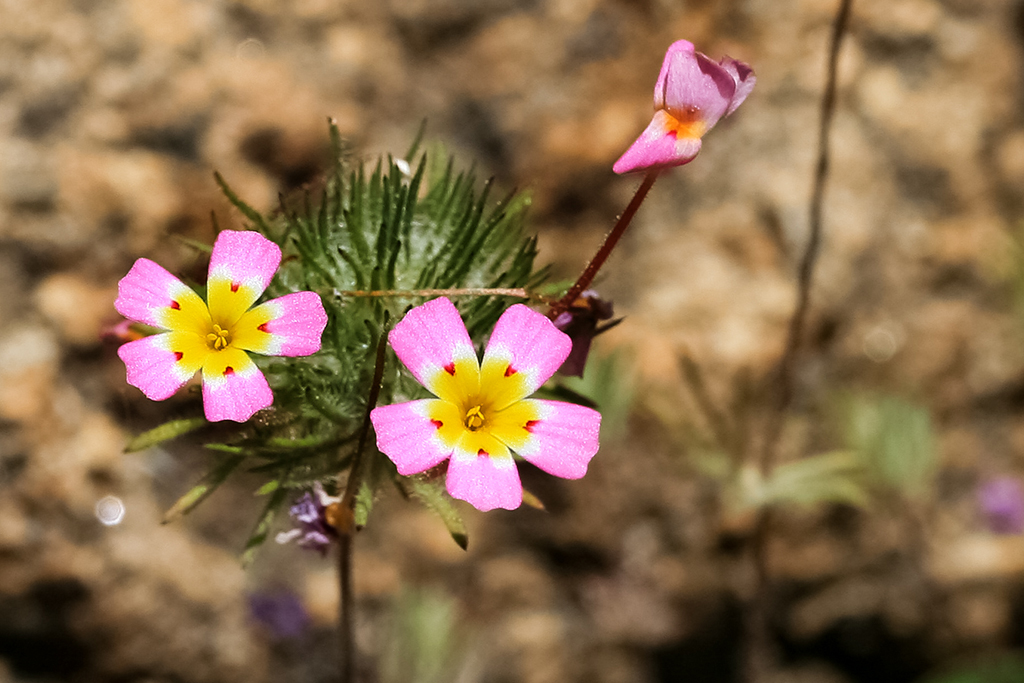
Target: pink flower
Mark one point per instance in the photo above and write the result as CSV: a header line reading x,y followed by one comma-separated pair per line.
x,y
691,95
213,336
482,414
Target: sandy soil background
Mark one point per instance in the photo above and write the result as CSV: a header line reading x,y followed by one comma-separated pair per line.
x,y
115,113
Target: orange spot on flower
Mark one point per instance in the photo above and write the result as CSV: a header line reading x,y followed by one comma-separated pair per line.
x,y
509,371
482,452
437,423
685,123
263,327
178,355
229,371
175,305
234,286
450,369
530,424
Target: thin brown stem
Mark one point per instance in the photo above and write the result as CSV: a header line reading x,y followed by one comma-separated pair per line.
x,y
760,657
590,272
343,519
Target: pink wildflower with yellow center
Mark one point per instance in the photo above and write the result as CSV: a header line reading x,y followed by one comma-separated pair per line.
x,y
691,95
482,415
213,336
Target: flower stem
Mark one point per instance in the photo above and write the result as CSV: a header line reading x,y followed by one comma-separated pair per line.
x,y
346,525
518,292
760,656
590,272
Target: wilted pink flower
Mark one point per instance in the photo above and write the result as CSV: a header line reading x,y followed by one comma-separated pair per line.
x,y
691,95
213,336
482,414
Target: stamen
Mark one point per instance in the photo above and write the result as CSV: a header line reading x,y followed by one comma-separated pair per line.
x,y
218,338
474,418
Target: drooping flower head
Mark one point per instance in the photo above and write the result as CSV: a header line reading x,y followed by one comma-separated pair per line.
x,y
581,322
213,336
691,95
482,415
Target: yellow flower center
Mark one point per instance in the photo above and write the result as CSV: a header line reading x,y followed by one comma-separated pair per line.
x,y
474,418
219,338
685,123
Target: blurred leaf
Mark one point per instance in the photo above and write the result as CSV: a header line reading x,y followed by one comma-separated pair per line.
x,y
432,494
608,382
894,437
262,528
836,477
533,501
209,483
424,643
165,432
1005,669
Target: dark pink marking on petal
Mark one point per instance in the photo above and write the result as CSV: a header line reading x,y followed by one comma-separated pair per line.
x,y
175,305
234,286
450,369
229,371
530,424
482,452
437,423
509,371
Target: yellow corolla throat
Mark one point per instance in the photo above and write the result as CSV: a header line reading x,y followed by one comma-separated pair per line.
x,y
684,123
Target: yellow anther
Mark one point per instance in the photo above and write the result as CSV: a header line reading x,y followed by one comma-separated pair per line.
x,y
474,418
218,338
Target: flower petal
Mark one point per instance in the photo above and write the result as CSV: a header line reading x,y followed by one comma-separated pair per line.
x,y
561,440
408,433
691,85
744,77
233,387
524,350
660,146
151,295
241,267
483,473
157,366
432,341
288,326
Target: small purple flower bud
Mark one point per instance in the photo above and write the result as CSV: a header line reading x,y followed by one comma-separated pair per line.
x,y
1001,500
580,322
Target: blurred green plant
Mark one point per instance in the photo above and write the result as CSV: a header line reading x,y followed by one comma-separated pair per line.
x,y
1007,668
895,439
369,242
424,643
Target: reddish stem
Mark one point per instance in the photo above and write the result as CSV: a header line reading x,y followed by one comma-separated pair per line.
x,y
588,274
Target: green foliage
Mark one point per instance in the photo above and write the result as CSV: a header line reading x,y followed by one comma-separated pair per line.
x,y
1004,669
895,439
363,231
836,477
424,643
165,432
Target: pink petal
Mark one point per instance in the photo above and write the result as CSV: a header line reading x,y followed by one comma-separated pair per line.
x,y
407,436
233,387
525,343
691,84
147,292
430,338
744,78
485,481
290,325
658,148
245,258
563,440
153,367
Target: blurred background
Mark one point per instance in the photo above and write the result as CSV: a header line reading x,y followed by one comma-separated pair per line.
x,y
114,115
